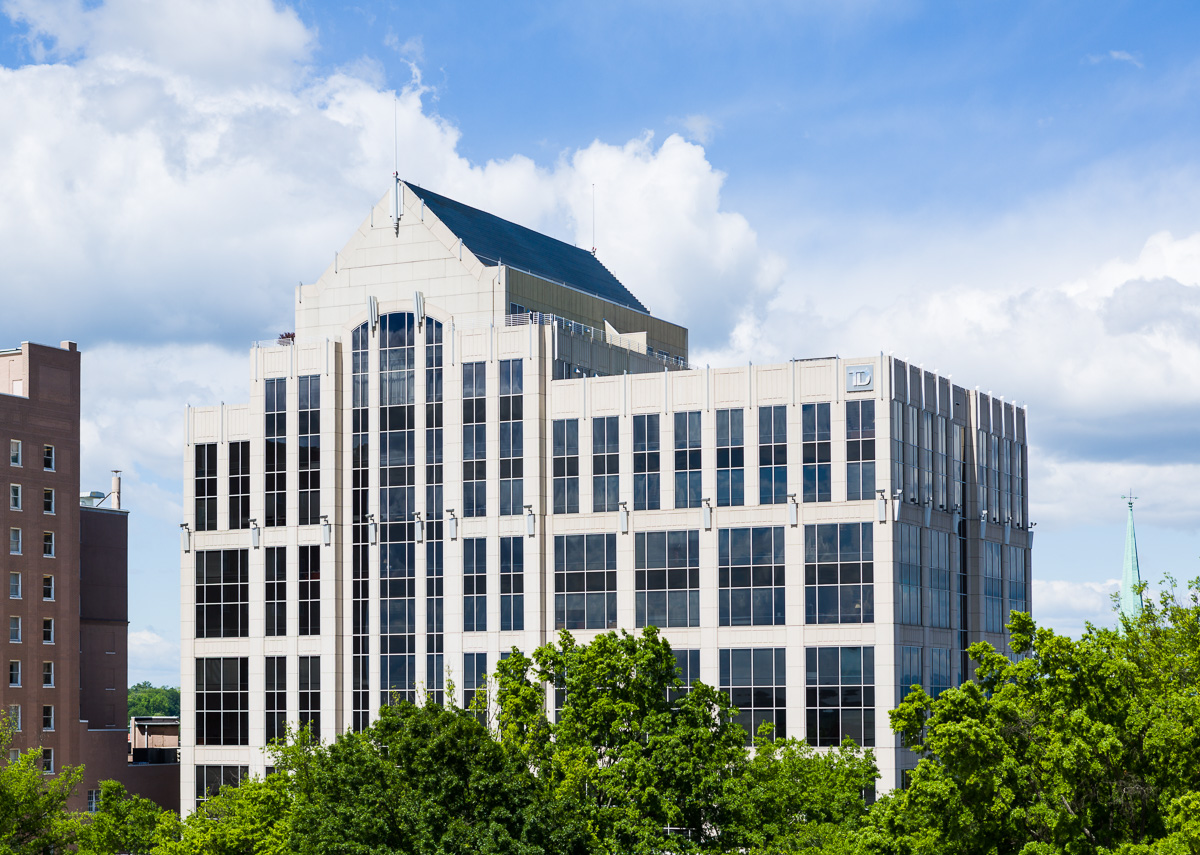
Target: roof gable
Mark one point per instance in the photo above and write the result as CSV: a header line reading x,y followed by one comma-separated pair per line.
x,y
494,240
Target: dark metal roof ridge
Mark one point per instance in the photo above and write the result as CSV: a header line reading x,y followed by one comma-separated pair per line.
x,y
491,237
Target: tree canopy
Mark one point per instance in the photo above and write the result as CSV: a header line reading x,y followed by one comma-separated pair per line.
x,y
147,699
33,805
1077,747
1087,747
652,765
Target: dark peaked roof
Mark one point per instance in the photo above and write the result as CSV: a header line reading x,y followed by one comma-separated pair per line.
x,y
495,240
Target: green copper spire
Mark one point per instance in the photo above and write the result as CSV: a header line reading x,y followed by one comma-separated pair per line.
x,y
1131,577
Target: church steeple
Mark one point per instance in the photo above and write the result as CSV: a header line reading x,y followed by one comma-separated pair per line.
x,y
1131,577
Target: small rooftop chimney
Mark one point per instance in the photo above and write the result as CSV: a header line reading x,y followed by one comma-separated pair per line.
x,y
116,489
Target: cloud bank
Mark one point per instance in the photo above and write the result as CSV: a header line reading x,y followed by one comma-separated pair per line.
x,y
168,175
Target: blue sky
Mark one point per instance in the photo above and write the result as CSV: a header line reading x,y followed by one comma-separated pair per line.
x,y
900,106
1004,191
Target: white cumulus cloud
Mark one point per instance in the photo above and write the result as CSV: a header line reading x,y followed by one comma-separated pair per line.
x,y
154,656
1068,607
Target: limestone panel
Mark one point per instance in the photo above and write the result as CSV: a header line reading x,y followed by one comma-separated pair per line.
x,y
566,398
606,394
816,382
310,357
237,422
205,425
772,384
276,362
729,387
512,342
474,345
646,393
687,390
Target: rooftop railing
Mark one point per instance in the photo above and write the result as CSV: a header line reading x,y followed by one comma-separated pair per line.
x,y
585,331
546,320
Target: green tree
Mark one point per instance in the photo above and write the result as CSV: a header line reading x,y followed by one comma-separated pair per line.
x,y
654,766
420,780
803,799
1078,747
146,699
253,818
33,805
123,823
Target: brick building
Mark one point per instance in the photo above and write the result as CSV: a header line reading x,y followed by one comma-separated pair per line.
x,y
66,571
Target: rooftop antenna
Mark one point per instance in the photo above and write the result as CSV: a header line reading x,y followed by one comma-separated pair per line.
x,y
593,218
397,201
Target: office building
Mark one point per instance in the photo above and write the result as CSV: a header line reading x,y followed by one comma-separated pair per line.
x,y
477,436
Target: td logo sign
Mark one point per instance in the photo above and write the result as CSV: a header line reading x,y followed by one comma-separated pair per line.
x,y
860,378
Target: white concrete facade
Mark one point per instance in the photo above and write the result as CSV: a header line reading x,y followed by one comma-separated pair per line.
x,y
929,437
